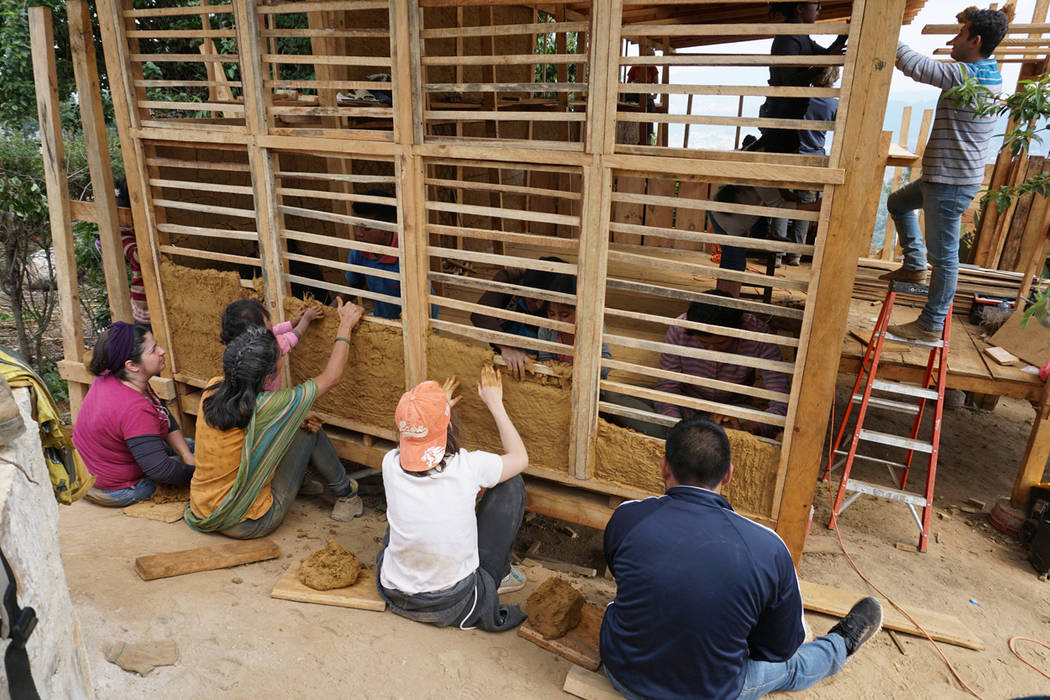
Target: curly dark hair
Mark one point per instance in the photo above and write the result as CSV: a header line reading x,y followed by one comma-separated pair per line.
x,y
241,315
991,25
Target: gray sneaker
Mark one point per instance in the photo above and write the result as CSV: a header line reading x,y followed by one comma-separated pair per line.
x,y
347,508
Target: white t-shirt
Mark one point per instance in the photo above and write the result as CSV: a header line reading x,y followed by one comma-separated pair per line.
x,y
433,529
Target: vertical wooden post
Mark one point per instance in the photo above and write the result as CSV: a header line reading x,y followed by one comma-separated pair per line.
x,y
1036,453
857,148
42,42
411,191
82,44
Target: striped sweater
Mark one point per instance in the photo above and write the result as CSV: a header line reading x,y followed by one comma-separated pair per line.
x,y
723,371
958,147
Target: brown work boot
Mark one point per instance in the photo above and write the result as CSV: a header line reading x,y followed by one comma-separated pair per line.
x,y
914,331
11,423
903,274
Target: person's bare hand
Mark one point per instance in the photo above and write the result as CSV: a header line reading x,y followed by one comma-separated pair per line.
x,y
515,360
313,422
490,388
189,460
451,385
729,422
350,313
311,314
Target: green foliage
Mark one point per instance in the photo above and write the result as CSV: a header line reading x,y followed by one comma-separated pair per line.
x,y
548,44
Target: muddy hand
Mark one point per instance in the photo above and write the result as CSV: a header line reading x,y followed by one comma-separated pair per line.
x,y
451,385
313,422
490,388
515,360
350,313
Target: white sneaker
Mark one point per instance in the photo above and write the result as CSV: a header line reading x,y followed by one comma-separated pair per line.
x,y
514,581
347,508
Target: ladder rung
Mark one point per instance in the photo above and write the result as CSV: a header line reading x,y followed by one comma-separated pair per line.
x,y
876,460
886,492
905,389
915,341
896,441
888,404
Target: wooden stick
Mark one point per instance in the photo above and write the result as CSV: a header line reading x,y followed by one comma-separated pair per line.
x,y
45,78
219,556
85,70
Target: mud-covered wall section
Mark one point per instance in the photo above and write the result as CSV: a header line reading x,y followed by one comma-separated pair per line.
x,y
374,378
541,412
629,459
193,302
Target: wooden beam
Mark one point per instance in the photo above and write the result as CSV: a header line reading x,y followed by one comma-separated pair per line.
x,y
85,71
219,556
1036,453
42,42
848,230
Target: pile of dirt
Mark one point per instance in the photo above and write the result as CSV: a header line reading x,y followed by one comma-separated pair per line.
x,y
335,566
171,493
554,608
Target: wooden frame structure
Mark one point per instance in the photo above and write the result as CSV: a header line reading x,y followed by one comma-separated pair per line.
x,y
497,156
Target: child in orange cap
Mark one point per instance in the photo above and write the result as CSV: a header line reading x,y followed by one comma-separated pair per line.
x,y
444,561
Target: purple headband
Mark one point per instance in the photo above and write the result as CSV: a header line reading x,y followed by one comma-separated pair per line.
x,y
120,342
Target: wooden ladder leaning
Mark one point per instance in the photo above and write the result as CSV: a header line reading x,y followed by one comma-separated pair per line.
x,y
900,397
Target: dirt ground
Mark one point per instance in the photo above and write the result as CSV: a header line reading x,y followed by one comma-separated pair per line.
x,y
237,641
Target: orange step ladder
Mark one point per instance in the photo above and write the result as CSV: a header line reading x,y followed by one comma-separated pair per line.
x,y
870,392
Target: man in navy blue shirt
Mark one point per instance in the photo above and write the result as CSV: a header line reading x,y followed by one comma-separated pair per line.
x,y
707,602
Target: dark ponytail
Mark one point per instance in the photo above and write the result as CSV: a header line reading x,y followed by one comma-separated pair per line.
x,y
105,358
249,359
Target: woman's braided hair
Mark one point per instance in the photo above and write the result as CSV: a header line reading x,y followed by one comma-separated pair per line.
x,y
249,359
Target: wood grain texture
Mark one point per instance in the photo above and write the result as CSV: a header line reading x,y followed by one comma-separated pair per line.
x,y
220,556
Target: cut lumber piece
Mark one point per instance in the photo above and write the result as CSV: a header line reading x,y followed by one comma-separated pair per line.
x,y
942,627
1003,357
1031,343
161,512
589,685
579,645
361,596
220,556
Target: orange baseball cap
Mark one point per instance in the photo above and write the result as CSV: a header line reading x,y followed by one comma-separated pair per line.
x,y
422,416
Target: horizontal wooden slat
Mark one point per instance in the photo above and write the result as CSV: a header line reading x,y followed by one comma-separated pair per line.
x,y
502,260
200,186
513,167
197,164
732,90
1017,28
637,414
491,285
722,29
298,7
505,87
329,84
188,83
185,57
345,267
700,354
179,229
325,33
338,218
713,205
796,176
330,195
182,33
205,208
717,59
705,327
516,214
210,255
506,115
232,107
694,380
180,11
502,314
343,289
337,177
755,307
343,243
739,412
773,246
505,30
507,60
478,185
484,234
487,336
711,120
686,268
319,111
382,61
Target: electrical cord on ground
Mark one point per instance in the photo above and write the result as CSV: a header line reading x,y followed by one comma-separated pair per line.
x,y
901,610
1025,661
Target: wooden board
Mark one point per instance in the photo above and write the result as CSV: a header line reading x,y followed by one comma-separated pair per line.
x,y
1002,357
589,685
361,596
161,512
579,645
943,628
218,556
1031,344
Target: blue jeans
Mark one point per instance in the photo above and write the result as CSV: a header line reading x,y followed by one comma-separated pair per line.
x,y
813,662
118,498
733,257
943,206
307,449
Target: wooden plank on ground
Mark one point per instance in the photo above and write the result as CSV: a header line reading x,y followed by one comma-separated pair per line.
x,y
589,685
360,596
1002,357
161,512
942,627
220,556
579,645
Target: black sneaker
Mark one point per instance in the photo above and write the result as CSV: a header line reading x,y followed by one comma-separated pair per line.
x,y
860,624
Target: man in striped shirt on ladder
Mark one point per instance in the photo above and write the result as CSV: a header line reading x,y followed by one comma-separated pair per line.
x,y
952,166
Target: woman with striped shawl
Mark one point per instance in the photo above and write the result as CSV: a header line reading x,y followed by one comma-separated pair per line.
x,y
254,446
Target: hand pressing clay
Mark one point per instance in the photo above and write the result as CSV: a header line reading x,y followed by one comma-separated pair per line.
x,y
554,608
332,567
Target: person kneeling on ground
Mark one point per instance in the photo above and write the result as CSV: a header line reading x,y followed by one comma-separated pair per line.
x,y
714,314
707,602
125,434
443,562
251,451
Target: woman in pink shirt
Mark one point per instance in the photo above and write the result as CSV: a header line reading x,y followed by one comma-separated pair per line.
x,y
126,435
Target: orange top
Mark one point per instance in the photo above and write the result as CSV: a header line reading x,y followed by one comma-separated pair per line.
x,y
218,454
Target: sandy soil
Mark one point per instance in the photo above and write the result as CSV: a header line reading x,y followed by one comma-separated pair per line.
x,y
236,641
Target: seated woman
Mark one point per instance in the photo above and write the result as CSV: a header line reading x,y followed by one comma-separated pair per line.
x,y
252,453
124,432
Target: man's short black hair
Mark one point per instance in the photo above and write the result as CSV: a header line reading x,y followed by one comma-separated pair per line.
x,y
991,25
374,210
697,451
714,314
